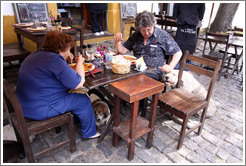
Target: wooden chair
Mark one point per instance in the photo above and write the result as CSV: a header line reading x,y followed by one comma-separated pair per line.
x,y
184,104
235,51
132,29
12,52
213,39
24,128
66,21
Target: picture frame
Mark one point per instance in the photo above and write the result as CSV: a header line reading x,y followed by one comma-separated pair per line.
x,y
29,12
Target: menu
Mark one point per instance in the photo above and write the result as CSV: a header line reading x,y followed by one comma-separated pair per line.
x,y
29,12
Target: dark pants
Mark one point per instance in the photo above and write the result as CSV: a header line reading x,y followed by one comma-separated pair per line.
x,y
156,75
96,22
186,39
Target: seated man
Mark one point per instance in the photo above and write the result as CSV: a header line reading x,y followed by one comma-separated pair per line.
x,y
152,44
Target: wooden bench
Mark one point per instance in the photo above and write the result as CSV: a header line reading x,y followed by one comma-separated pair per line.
x,y
12,52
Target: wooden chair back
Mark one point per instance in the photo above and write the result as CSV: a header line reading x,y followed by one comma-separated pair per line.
x,y
238,32
213,39
215,53
199,69
24,128
132,29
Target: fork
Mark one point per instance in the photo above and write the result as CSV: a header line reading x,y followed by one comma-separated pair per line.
x,y
89,71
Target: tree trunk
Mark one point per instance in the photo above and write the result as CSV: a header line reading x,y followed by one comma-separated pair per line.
x,y
224,17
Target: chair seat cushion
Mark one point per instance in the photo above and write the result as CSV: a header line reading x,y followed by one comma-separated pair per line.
x,y
182,101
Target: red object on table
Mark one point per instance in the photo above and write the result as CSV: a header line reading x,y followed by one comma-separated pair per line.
x,y
96,70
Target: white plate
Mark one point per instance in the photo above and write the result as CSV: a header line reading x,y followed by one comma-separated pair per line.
x,y
93,66
25,24
66,27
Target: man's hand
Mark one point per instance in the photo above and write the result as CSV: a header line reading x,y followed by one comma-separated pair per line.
x,y
118,37
166,68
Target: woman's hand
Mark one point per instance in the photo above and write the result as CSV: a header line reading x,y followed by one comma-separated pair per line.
x,y
79,59
70,57
166,68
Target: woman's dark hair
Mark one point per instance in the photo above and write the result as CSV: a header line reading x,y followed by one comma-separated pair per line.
x,y
56,41
144,19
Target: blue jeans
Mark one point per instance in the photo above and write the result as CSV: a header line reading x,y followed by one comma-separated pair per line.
x,y
178,65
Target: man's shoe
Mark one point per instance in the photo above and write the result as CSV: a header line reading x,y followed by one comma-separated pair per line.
x,y
97,34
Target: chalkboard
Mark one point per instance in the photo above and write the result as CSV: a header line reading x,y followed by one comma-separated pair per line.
x,y
28,12
128,10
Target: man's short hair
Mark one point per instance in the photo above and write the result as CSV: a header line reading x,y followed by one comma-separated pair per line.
x,y
144,19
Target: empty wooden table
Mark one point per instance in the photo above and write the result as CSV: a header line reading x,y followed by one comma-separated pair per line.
x,y
38,36
132,90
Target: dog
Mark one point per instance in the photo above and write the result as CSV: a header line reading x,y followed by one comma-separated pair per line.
x,y
101,110
190,84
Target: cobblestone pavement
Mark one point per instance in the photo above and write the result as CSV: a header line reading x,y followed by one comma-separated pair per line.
x,y
221,141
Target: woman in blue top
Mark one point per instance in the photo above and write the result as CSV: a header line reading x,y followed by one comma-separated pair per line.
x,y
44,78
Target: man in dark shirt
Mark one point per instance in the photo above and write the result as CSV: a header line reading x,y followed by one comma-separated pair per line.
x,y
187,16
152,44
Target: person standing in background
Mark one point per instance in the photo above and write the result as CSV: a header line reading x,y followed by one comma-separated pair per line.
x,y
187,16
97,10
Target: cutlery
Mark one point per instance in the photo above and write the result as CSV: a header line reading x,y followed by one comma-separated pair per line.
x,y
89,71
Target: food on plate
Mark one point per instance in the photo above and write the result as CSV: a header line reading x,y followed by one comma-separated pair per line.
x,y
129,57
120,65
38,28
90,66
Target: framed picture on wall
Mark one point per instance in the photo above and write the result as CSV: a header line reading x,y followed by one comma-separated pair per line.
x,y
29,12
128,10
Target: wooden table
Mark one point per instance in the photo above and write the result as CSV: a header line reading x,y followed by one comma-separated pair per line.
x,y
97,85
38,36
132,90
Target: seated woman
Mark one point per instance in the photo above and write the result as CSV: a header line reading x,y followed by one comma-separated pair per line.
x,y
44,79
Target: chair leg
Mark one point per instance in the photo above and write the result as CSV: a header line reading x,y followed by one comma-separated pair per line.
x,y
221,69
182,133
71,134
18,137
26,146
204,112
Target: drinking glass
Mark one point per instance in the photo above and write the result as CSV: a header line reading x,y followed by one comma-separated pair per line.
x,y
108,65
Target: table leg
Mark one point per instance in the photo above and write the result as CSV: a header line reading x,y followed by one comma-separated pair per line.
x,y
132,132
116,118
19,40
152,121
105,131
106,92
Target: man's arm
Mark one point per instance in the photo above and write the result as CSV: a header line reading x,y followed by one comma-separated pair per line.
x,y
201,11
169,67
120,49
